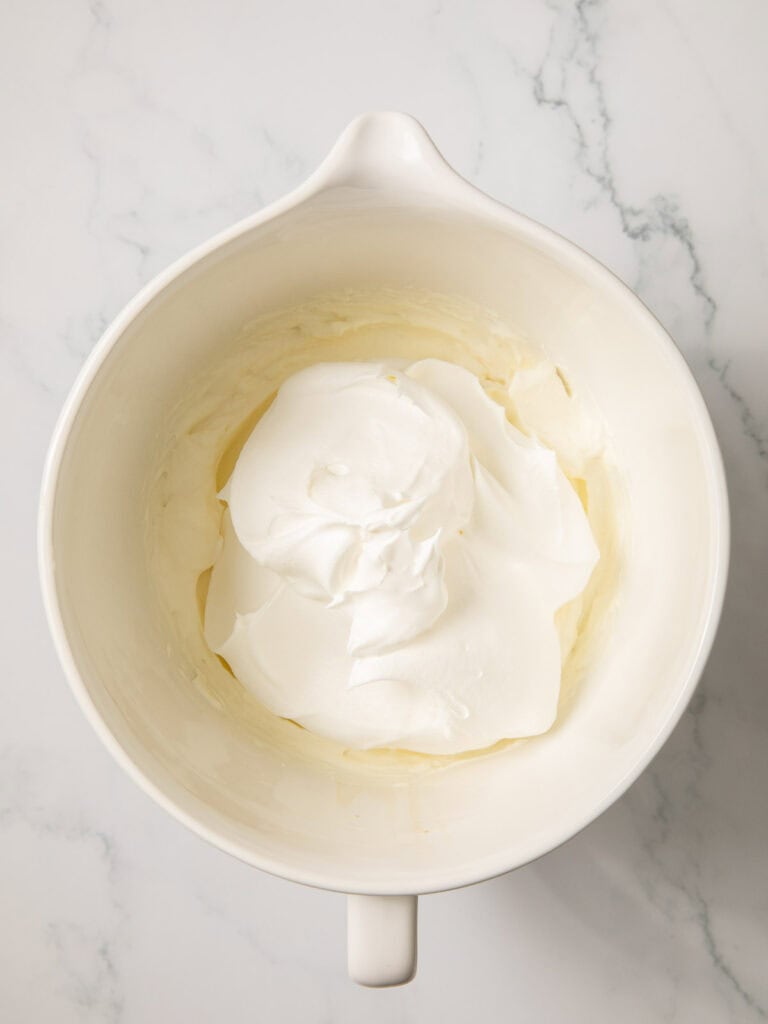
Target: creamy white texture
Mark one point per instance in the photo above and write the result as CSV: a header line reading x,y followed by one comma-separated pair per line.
x,y
394,553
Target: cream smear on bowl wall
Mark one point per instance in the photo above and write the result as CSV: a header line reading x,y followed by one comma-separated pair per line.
x,y
434,684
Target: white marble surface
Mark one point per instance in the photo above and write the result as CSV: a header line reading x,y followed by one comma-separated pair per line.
x,y
132,130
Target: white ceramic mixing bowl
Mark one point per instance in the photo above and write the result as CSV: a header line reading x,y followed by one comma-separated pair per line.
x,y
383,210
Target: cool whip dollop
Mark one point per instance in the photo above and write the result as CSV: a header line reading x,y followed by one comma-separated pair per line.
x,y
394,553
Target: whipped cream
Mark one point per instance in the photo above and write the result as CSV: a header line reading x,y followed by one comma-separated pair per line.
x,y
394,554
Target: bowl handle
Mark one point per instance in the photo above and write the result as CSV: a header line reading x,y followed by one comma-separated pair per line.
x,y
388,150
381,939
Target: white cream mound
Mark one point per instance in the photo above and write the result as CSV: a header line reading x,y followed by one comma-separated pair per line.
x,y
394,554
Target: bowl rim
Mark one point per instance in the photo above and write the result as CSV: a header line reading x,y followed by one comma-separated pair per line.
x,y
459,194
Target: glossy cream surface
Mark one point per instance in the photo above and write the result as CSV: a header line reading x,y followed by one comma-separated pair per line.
x,y
394,555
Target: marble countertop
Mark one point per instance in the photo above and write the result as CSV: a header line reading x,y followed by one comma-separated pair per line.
x,y
133,130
